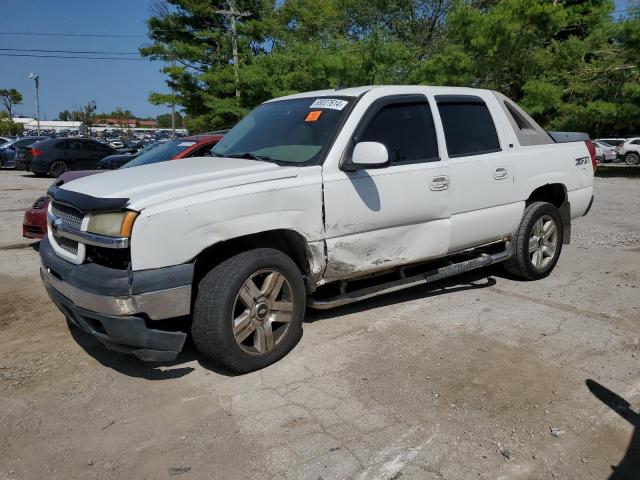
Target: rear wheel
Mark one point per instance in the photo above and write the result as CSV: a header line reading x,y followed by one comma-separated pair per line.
x,y
249,310
57,168
632,158
537,243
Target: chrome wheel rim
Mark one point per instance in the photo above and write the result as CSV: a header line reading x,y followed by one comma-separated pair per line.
x,y
58,168
261,315
543,242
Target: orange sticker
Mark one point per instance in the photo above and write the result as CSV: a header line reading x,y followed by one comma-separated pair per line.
x,y
313,116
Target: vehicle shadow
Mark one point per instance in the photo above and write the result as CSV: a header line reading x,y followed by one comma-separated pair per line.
x,y
132,367
477,279
629,466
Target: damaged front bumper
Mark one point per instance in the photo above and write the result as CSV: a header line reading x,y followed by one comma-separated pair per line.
x,y
113,305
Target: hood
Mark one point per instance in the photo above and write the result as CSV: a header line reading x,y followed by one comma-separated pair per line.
x,y
156,183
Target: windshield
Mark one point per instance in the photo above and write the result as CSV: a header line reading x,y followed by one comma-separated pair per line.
x,y
161,153
287,131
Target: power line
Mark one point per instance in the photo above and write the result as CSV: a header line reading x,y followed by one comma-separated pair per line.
x,y
72,34
74,57
67,51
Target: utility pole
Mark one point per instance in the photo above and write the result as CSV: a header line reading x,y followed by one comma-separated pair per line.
x,y
36,79
233,14
173,116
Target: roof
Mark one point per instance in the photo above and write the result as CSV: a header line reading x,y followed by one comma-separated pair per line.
x,y
392,89
44,124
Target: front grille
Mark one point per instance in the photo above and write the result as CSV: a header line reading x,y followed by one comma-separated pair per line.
x,y
67,244
71,218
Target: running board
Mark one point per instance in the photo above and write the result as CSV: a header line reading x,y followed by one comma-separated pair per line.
x,y
434,275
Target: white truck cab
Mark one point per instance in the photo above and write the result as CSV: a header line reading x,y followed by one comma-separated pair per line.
x,y
316,199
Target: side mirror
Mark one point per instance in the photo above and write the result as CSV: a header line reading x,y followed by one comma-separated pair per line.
x,y
368,155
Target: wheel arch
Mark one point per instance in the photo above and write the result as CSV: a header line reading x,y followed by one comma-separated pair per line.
x,y
290,242
555,194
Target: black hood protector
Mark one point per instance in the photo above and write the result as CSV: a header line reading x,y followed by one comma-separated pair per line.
x,y
85,203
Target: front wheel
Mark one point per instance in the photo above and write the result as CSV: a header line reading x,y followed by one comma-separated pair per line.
x,y
249,309
632,158
537,243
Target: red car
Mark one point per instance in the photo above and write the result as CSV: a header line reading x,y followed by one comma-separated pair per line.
x,y
34,224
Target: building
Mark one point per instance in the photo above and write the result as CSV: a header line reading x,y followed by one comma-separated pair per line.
x,y
56,125
147,123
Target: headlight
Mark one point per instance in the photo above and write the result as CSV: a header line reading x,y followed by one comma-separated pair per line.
x,y
112,224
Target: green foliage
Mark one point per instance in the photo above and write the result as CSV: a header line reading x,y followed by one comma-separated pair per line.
x,y
8,127
568,62
9,98
164,120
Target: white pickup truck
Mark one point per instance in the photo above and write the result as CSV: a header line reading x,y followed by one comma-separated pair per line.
x,y
313,200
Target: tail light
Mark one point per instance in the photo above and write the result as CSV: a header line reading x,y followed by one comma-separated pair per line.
x,y
35,152
592,153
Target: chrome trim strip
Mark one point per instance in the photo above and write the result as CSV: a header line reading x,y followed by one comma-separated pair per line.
x,y
169,303
85,237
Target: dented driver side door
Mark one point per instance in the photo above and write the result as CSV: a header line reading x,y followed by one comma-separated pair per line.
x,y
379,218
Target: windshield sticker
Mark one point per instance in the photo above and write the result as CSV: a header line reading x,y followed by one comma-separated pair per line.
x,y
186,144
313,116
332,103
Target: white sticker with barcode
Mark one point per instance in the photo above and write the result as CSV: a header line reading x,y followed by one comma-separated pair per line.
x,y
186,144
332,103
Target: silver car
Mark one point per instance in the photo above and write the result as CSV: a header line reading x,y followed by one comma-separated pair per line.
x,y
629,151
605,153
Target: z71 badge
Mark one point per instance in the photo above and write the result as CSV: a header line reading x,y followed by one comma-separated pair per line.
x,y
582,161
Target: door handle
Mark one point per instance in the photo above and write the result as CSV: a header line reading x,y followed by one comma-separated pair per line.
x,y
500,173
438,183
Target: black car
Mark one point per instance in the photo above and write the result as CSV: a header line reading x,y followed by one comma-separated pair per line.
x,y
113,162
8,149
58,155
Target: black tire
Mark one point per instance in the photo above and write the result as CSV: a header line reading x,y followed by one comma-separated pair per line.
x,y
520,264
632,158
216,303
57,168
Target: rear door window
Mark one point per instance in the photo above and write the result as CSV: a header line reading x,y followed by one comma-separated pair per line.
x,y
468,126
406,129
62,145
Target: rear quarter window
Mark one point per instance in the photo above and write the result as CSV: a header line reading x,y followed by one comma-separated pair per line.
x,y
468,125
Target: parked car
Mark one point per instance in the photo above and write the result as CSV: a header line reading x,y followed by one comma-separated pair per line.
x,y
193,146
6,139
318,199
116,144
8,149
629,151
605,153
58,155
35,219
614,142
34,223
116,161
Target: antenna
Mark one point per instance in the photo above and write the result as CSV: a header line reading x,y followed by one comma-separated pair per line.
x,y
340,85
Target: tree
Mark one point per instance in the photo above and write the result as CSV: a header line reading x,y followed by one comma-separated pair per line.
x,y
65,116
10,97
296,45
9,127
87,115
164,120
569,63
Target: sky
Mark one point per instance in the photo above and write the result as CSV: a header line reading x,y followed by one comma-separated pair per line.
x,y
67,84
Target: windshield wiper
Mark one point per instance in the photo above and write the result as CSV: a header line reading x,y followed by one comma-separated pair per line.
x,y
253,156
